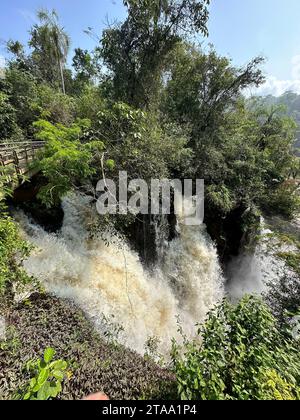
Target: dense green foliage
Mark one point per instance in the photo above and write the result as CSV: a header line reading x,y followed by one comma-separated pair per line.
x,y
244,155
133,137
241,355
165,108
66,161
136,52
8,126
12,251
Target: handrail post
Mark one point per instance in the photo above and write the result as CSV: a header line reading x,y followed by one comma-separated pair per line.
x,y
16,162
26,154
2,165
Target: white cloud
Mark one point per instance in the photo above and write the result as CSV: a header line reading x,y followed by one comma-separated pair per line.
x,y
276,87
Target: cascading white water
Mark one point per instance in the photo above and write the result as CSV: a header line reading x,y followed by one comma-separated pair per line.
x,y
252,271
111,280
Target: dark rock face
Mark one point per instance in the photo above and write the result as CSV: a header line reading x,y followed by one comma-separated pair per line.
x,y
45,321
26,192
227,232
25,198
142,235
49,219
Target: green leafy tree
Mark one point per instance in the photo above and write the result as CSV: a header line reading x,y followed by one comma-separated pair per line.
x,y
202,88
20,86
32,100
86,69
290,102
89,103
16,48
53,106
129,138
50,44
20,59
136,52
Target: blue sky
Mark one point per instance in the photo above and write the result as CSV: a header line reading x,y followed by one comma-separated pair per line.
x,y
240,29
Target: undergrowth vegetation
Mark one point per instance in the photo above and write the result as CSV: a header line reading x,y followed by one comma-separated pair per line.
x,y
240,354
12,252
93,363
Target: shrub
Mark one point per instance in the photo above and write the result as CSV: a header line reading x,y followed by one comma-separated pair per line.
x,y
48,376
276,388
90,103
65,160
236,353
12,252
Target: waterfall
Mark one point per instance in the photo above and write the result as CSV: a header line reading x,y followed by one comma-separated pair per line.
x,y
104,276
253,270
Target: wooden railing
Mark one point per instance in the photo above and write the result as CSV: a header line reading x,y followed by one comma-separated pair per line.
x,y
15,159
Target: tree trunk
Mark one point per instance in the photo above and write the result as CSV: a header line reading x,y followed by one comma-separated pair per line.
x,y
62,77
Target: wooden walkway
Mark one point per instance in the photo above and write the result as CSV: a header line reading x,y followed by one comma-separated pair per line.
x,y
15,159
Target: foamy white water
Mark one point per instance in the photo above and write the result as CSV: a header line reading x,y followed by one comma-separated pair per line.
x,y
111,280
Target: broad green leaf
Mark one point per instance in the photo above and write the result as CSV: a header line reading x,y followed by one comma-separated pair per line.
x,y
59,365
27,396
49,354
54,389
43,376
58,374
43,393
32,383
